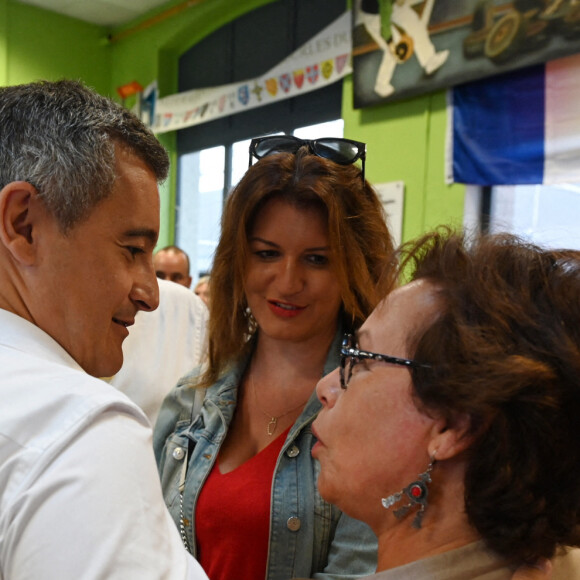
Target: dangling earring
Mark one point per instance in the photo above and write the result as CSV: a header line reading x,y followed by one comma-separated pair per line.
x,y
252,324
417,493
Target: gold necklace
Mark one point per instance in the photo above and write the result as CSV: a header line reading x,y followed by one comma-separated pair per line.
x,y
273,421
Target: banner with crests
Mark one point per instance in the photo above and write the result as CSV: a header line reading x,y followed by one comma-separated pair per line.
x,y
321,61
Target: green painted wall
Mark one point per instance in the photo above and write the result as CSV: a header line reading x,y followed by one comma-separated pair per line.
x,y
406,141
3,42
38,44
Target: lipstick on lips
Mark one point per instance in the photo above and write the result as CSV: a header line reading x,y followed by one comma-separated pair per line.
x,y
285,309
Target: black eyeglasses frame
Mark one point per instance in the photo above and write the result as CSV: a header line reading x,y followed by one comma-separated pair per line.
x,y
348,351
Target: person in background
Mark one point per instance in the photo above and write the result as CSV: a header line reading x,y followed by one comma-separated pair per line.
x,y
202,289
172,263
79,219
451,427
304,254
162,347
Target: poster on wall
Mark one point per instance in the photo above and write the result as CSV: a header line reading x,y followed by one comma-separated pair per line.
x,y
392,196
403,48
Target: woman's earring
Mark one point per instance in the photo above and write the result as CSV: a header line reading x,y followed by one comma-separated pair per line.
x,y
416,492
252,324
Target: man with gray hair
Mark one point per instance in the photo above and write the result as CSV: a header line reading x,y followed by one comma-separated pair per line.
x,y
79,219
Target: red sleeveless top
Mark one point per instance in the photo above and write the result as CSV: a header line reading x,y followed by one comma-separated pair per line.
x,y
232,517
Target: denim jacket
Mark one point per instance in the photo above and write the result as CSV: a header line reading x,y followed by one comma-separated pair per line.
x,y
309,538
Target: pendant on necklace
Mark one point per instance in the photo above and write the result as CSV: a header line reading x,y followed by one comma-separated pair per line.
x,y
272,426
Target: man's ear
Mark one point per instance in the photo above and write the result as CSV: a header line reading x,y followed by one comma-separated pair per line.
x,y
17,222
449,439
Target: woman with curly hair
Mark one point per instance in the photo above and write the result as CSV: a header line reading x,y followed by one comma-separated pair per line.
x,y
451,427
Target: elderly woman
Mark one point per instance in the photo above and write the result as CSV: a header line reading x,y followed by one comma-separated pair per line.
x,y
458,442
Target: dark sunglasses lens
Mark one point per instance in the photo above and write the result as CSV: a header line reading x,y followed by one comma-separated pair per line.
x,y
337,150
275,144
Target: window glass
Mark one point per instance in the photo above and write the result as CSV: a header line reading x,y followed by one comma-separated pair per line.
x,y
328,129
212,169
199,207
240,158
545,214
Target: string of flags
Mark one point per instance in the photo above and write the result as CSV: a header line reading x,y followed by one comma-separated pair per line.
x,y
324,59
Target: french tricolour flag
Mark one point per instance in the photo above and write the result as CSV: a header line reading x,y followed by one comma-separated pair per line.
x,y
521,127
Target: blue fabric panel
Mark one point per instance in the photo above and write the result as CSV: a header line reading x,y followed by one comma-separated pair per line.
x,y
498,129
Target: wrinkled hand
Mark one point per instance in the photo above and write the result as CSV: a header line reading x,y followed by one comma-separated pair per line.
x,y
541,571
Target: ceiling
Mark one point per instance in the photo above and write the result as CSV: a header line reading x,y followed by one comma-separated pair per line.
x,y
101,12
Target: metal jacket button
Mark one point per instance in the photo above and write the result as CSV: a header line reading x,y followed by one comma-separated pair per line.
x,y
293,451
293,524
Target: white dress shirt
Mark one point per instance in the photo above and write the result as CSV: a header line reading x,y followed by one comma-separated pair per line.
x,y
162,346
79,490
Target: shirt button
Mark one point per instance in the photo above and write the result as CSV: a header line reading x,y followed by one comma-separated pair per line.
x,y
293,451
178,453
293,524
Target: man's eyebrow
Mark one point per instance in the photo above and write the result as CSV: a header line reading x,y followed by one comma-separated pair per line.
x,y
147,233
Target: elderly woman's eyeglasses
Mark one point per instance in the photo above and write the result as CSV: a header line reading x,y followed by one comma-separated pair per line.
x,y
336,149
351,355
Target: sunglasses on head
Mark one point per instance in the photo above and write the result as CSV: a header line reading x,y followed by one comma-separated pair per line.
x,y
336,149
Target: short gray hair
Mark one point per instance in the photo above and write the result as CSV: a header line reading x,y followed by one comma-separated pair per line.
x,y
61,136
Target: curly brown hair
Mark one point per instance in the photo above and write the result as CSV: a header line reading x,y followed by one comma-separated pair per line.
x,y
361,247
506,351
